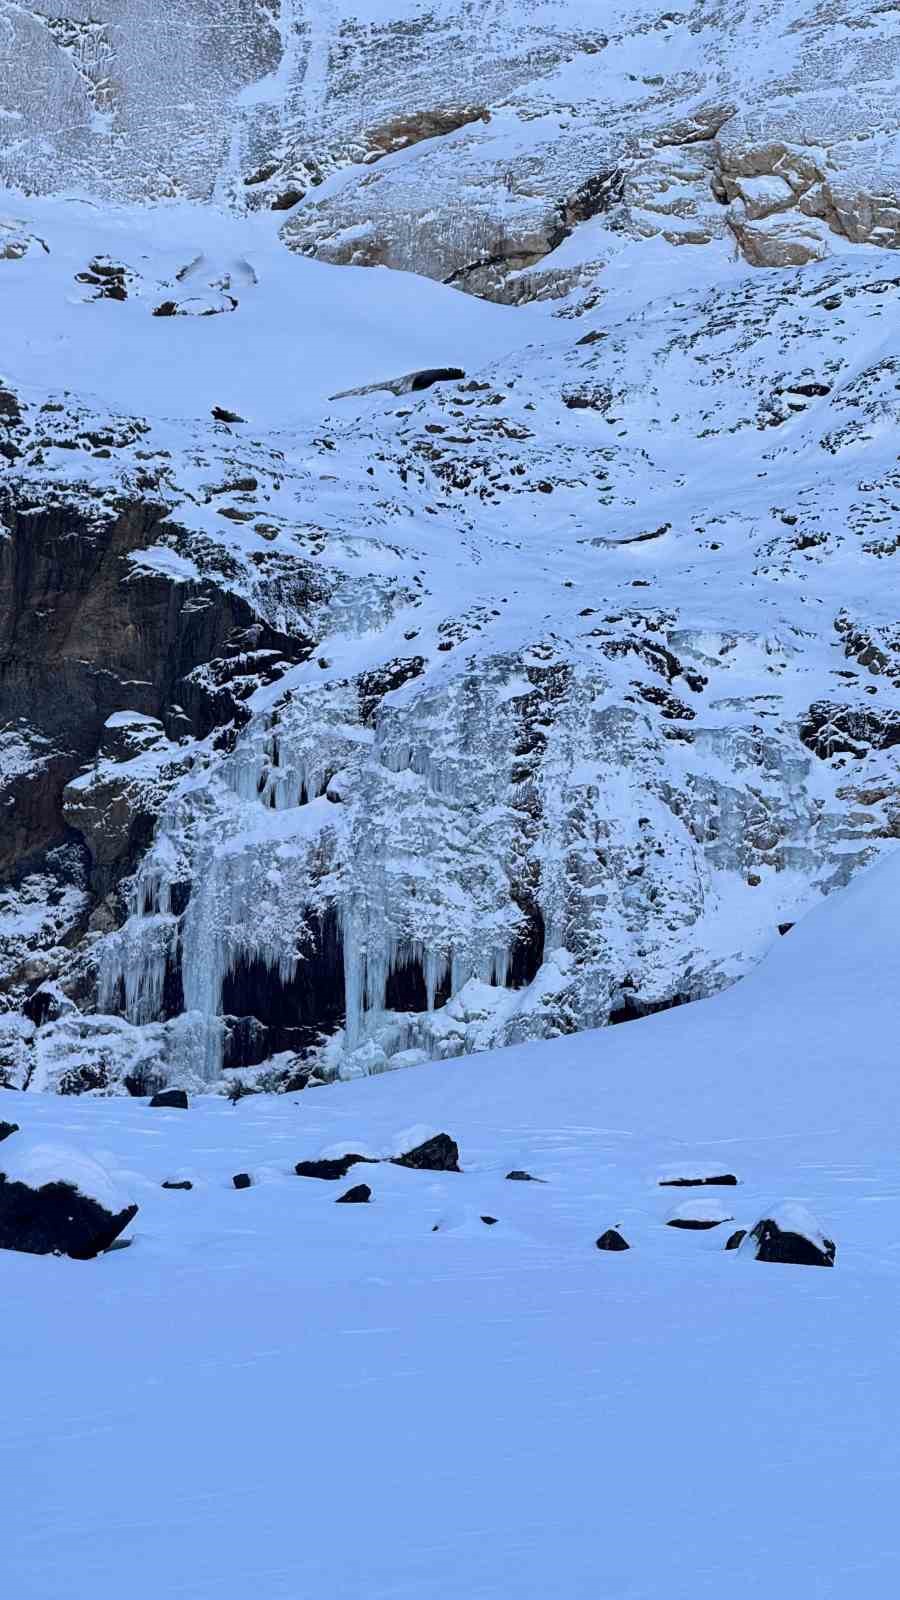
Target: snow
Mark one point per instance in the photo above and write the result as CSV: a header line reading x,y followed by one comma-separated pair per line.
x,y
22,1161
271,1393
299,333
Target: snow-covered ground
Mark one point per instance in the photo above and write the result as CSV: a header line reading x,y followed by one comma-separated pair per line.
x,y
269,1394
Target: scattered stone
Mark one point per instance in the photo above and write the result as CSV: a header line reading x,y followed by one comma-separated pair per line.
x,y
792,1236
722,1179
6,1128
734,1239
523,1177
699,1214
489,1220
177,1183
242,1180
440,1154
612,1240
359,1195
697,1222
329,1168
172,1099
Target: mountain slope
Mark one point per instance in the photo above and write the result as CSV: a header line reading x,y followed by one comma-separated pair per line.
x,y
311,1396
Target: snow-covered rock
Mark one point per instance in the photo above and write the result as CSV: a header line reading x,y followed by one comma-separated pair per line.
x,y
56,1200
788,1233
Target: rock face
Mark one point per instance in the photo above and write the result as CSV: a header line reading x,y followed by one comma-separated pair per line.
x,y
445,717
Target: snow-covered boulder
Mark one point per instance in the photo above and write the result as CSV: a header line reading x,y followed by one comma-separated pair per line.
x,y
699,1214
170,1100
56,1201
788,1233
440,1154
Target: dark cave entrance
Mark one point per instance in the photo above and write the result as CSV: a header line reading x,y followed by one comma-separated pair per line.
x,y
265,1015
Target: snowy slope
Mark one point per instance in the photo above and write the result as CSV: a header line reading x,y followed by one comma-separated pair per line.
x,y
268,1391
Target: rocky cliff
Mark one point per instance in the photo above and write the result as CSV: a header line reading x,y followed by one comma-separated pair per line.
x,y
543,673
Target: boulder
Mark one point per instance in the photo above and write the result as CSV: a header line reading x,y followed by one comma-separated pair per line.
x,y
790,1235
523,1177
612,1240
722,1179
172,1099
359,1195
242,1180
490,1221
54,1201
329,1167
440,1154
177,1183
6,1128
699,1214
734,1239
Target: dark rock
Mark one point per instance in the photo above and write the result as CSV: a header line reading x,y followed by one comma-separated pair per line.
x,y
612,1240
697,1183
698,1223
359,1195
784,927
523,1177
177,1183
779,1244
337,1167
242,1180
56,1219
219,412
174,1099
440,1154
431,375
489,1220
734,1239
6,1128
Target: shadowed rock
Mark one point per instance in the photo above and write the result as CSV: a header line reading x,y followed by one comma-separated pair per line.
x,y
171,1099
173,1183
440,1154
329,1168
612,1240
359,1195
56,1219
523,1177
242,1180
734,1239
6,1128
698,1223
781,1244
723,1179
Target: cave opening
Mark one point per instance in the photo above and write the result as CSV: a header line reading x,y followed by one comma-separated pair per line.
x,y
266,1013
